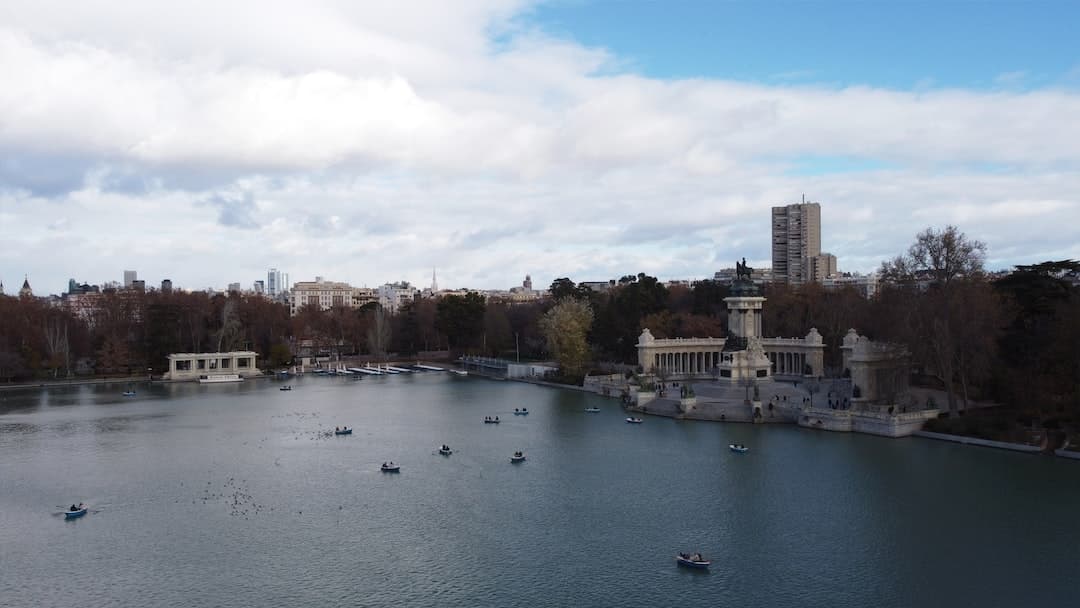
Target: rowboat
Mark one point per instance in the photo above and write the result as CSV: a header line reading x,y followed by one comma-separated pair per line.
x,y
343,431
738,447
521,412
285,388
389,467
632,420
696,560
69,514
129,393
445,450
592,410
517,457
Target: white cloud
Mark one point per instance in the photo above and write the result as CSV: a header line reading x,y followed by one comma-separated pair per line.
x,y
371,142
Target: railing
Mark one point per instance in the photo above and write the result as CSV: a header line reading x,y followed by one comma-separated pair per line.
x,y
489,362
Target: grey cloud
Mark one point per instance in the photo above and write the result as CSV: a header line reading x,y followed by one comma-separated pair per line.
x,y
42,175
234,211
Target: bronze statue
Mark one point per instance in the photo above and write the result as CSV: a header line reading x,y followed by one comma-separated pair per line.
x,y
742,270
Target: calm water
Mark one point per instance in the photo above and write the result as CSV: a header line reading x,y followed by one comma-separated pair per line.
x,y
233,495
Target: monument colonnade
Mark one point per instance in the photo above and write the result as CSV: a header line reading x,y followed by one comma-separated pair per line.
x,y
700,356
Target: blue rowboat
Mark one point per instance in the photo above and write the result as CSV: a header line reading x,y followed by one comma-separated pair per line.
x,y
696,560
742,449
343,432
73,514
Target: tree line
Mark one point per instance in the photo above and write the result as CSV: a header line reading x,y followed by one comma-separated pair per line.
x,y
1010,339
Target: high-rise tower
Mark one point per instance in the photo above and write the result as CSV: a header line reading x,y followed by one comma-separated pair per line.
x,y
796,242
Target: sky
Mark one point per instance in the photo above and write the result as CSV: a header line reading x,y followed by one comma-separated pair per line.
x,y
369,142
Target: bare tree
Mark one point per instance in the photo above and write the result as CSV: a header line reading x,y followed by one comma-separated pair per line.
x,y
378,333
57,344
938,256
953,322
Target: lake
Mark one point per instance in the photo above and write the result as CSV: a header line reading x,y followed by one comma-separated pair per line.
x,y
240,495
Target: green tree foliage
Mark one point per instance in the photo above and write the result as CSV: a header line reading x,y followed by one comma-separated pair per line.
x,y
565,328
1038,345
565,288
707,298
620,313
461,320
498,336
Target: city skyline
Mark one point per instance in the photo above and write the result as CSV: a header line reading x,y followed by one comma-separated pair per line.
x,y
498,139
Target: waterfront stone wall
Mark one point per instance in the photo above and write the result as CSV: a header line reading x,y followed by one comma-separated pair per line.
x,y
1003,445
873,423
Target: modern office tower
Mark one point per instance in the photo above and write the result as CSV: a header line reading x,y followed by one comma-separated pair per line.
x,y
259,287
234,287
166,286
130,276
277,283
796,241
273,277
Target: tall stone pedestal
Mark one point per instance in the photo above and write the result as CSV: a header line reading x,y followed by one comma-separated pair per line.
x,y
744,366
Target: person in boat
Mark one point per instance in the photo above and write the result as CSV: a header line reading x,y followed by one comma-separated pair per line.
x,y
496,418
74,508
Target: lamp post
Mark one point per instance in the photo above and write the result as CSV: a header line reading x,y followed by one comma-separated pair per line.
x,y
517,348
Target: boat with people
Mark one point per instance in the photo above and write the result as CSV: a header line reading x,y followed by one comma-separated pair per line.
x,y
389,467
522,412
518,457
287,387
75,511
592,410
738,447
342,431
633,420
129,393
693,560
491,420
445,450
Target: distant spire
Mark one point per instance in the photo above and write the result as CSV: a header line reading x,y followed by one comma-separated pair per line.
x,y
434,283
